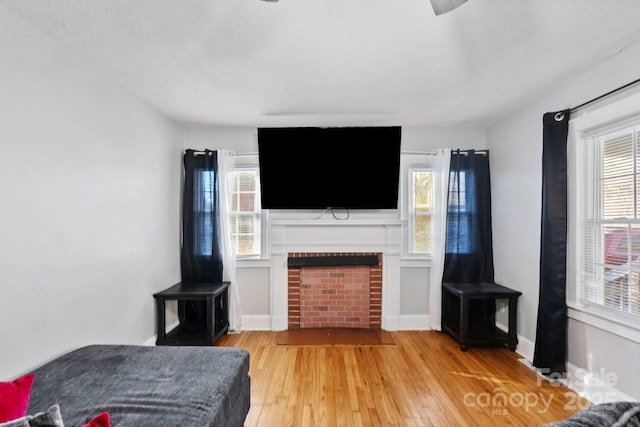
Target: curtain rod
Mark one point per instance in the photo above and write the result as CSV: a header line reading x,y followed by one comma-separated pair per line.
x,y
470,151
424,153
598,98
200,152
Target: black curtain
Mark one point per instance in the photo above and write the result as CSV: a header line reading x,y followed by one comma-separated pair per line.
x,y
551,334
201,254
469,243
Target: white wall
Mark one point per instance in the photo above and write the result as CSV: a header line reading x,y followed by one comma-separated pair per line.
x,y
90,184
516,161
89,194
253,276
89,190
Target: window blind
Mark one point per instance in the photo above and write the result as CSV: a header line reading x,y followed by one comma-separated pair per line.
x,y
421,208
245,212
609,220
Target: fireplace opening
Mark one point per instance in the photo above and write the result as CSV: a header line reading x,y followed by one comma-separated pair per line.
x,y
334,290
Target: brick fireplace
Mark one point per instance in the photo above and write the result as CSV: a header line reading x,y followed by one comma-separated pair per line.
x,y
293,239
338,290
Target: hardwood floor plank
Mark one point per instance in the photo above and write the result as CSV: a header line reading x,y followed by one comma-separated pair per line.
x,y
422,380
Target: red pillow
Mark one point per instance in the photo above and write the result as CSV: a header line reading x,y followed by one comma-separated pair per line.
x,y
100,420
14,398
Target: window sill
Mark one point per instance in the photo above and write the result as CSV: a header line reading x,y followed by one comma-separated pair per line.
x,y
603,320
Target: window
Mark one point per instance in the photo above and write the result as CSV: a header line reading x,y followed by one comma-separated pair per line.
x,y
609,218
245,212
461,210
421,202
203,208
421,206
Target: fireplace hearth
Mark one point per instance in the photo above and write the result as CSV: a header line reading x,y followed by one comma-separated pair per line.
x,y
334,290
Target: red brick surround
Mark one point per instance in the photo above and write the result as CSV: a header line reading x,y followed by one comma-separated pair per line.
x,y
316,292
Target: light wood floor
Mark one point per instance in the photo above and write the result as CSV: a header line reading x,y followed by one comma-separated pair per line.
x,y
423,380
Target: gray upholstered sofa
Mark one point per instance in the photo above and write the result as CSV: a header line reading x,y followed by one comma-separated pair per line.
x,y
615,414
146,386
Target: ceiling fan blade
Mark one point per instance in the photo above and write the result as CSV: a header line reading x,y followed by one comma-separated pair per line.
x,y
444,6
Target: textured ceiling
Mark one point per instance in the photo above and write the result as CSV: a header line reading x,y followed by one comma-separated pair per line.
x,y
337,62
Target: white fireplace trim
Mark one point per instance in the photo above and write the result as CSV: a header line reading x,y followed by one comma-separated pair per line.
x,y
335,236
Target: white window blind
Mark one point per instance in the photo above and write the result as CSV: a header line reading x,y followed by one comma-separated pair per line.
x,y
245,212
421,206
609,219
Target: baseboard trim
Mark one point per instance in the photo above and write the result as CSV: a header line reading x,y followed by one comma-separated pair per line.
x,y
414,322
525,347
150,342
256,323
265,322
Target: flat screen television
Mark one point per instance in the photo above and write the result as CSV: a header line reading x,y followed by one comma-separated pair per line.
x,y
329,168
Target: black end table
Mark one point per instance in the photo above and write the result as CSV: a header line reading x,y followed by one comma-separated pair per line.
x,y
457,298
215,296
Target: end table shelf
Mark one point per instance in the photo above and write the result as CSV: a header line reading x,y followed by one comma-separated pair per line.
x,y
456,303
215,296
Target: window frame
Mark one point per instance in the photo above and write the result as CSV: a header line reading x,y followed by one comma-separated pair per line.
x,y
254,215
412,212
594,287
408,163
616,115
244,162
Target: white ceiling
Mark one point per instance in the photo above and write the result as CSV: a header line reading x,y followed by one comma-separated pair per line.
x,y
337,62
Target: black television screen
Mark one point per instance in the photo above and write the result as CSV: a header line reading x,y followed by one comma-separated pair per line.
x,y
335,167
